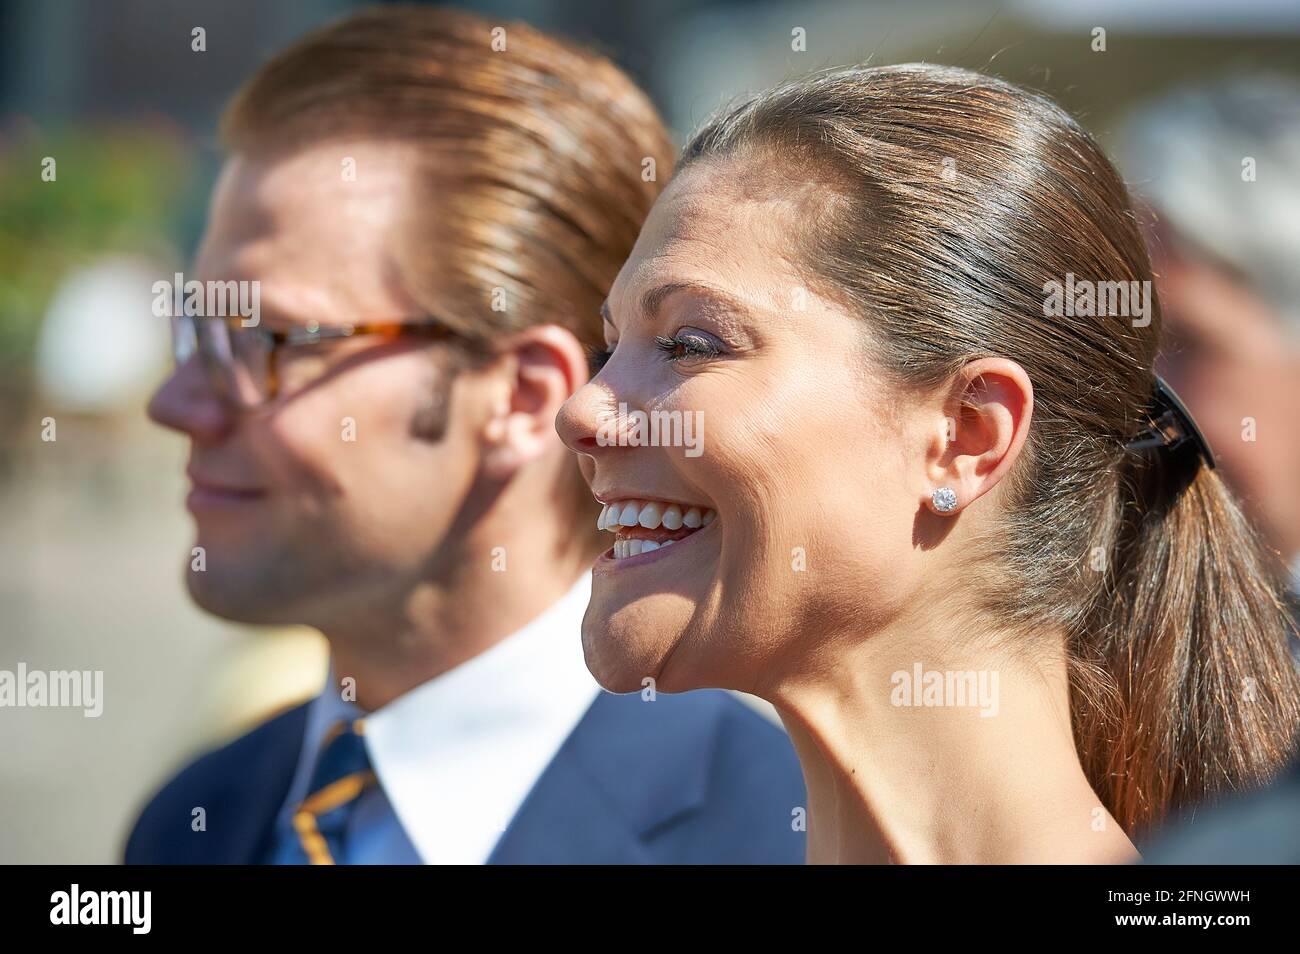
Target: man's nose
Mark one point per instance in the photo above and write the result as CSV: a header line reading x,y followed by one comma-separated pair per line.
x,y
185,402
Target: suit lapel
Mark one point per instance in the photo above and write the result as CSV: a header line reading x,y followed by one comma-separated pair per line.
x,y
249,804
628,768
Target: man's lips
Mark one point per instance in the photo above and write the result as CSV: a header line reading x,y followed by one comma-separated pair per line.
x,y
206,493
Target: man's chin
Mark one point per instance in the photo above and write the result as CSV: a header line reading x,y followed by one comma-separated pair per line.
x,y
238,601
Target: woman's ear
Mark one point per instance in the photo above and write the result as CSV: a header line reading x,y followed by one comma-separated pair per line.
x,y
989,405
540,368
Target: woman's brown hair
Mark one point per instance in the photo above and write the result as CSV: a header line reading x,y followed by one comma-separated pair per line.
x,y
953,203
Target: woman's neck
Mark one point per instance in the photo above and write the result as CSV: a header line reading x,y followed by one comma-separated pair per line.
x,y
915,756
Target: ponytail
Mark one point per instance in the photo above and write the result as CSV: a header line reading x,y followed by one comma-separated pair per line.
x,y
1183,684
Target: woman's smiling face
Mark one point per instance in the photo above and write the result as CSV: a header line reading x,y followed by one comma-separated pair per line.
x,y
761,413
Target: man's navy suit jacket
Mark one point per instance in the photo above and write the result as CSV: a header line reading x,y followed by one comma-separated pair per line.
x,y
688,778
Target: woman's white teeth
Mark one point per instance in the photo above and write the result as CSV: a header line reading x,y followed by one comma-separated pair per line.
x,y
627,548
649,515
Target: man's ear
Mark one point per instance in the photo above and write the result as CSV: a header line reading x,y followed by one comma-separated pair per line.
x,y
990,405
539,369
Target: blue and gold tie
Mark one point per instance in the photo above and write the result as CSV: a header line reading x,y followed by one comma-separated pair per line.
x,y
342,773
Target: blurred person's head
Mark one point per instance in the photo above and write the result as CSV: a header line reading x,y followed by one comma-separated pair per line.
x,y
848,277
1219,164
410,163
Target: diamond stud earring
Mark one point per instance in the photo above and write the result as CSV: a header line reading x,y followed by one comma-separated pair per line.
x,y
943,499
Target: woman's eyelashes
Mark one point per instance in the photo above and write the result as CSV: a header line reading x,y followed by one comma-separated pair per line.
x,y
683,346
686,345
597,358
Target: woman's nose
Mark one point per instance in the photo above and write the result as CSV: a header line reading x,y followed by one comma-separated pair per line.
x,y
185,402
579,418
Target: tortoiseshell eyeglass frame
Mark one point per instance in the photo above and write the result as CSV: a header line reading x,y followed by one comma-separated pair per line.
x,y
213,340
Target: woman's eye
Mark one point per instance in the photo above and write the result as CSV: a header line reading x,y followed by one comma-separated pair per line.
x,y
687,345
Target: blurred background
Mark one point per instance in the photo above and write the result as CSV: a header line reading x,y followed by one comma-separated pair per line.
x,y
93,536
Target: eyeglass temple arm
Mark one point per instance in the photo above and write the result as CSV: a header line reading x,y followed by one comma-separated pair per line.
x,y
328,332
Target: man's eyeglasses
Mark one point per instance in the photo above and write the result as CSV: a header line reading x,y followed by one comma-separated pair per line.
x,y
242,364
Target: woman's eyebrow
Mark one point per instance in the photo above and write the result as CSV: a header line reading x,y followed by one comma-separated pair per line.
x,y
654,299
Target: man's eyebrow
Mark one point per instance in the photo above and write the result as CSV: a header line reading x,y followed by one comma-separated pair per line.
x,y
274,313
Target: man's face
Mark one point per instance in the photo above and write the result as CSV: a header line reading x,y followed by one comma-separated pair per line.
x,y
328,494
1232,363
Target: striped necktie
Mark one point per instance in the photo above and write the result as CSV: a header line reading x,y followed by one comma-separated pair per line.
x,y
342,773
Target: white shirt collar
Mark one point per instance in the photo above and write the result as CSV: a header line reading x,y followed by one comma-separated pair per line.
x,y
457,755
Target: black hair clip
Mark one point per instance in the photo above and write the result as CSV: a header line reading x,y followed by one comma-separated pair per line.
x,y
1171,426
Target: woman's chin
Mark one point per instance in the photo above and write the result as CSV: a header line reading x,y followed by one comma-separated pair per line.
x,y
626,657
